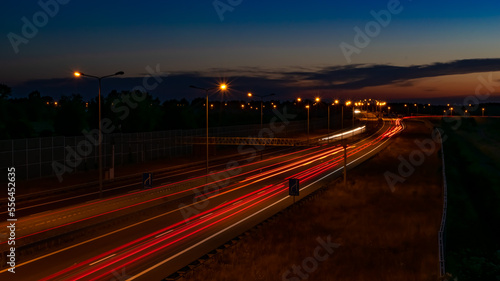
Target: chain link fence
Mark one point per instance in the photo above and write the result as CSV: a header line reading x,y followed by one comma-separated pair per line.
x,y
36,157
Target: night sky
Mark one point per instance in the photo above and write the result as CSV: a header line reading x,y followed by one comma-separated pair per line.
x,y
428,50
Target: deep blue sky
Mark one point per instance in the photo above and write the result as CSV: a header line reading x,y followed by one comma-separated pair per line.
x,y
258,38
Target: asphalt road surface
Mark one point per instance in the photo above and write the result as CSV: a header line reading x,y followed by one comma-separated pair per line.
x,y
201,215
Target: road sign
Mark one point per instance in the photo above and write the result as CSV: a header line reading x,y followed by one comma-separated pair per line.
x,y
293,187
147,180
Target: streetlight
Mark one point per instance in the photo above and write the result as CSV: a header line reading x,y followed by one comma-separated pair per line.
x,y
347,103
78,74
221,87
335,102
307,106
482,111
451,110
261,104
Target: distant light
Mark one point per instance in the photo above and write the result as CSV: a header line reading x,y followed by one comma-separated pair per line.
x,y
249,94
307,106
336,101
317,99
77,74
274,106
223,86
299,99
357,111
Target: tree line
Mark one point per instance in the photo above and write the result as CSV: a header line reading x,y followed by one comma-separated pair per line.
x,y
42,116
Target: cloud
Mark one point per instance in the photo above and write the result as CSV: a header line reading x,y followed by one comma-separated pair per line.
x,y
361,76
286,84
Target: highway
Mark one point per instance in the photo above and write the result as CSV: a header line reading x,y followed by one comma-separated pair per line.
x,y
195,217
29,204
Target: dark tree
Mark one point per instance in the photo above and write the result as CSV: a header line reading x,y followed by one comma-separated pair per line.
x,y
5,91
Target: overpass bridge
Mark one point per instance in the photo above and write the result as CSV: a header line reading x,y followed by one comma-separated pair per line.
x,y
275,141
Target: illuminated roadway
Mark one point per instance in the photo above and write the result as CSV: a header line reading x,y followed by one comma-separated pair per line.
x,y
151,249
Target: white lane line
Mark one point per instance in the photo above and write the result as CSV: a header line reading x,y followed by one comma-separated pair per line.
x,y
164,233
101,260
205,216
236,223
121,229
105,235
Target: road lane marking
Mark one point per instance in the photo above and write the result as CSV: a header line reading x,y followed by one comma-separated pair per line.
x,y
116,231
205,216
233,225
153,218
102,259
164,233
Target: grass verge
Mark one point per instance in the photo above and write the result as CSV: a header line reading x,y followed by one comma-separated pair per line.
x,y
472,159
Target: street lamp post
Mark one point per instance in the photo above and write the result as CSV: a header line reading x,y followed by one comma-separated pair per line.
x,y
353,117
328,122
307,106
342,118
78,74
261,104
221,87
482,111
